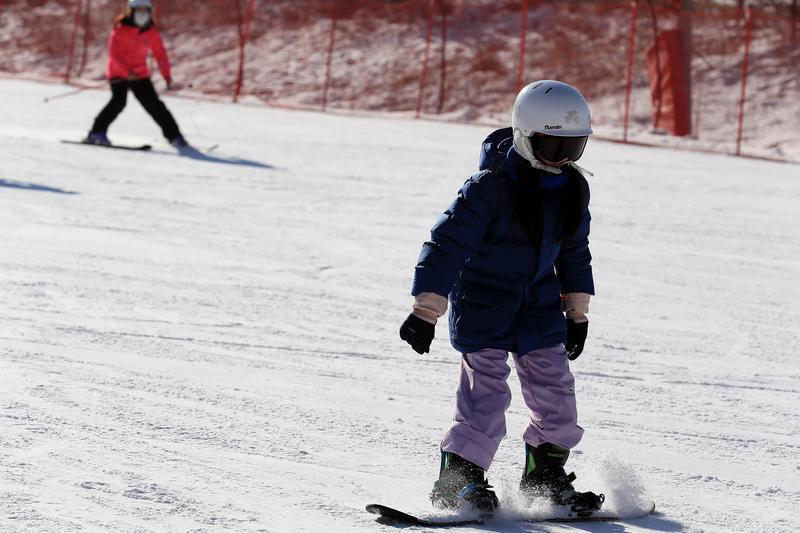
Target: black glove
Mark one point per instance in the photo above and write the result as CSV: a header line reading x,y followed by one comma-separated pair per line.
x,y
418,333
576,338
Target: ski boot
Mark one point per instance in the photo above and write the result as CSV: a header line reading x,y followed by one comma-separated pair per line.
x,y
179,142
97,137
462,484
545,477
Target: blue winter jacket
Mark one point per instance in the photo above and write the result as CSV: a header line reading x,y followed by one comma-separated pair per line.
x,y
504,290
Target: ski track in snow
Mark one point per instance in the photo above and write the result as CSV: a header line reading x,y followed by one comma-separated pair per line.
x,y
191,345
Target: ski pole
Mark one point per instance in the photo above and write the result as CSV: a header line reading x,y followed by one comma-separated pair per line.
x,y
72,92
179,87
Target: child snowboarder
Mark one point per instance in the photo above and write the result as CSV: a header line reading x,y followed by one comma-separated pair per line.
x,y
512,254
133,38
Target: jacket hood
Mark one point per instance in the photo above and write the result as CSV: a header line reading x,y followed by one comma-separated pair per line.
x,y
494,150
497,153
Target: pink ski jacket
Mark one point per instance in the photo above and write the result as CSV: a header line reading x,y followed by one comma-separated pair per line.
x,y
128,49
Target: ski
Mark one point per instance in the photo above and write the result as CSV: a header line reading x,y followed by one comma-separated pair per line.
x,y
141,148
395,515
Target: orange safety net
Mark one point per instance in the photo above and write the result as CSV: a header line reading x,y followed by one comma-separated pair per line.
x,y
460,60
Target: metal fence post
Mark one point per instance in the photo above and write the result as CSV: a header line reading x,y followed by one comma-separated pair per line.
x,y
87,37
244,36
748,31
656,42
329,59
629,75
73,40
523,32
443,60
426,56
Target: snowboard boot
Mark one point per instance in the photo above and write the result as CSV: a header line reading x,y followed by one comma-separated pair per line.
x,y
462,484
98,137
544,477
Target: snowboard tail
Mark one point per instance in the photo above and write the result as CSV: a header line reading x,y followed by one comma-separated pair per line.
x,y
395,515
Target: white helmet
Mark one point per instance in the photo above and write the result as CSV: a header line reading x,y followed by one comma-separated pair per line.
x,y
551,122
134,4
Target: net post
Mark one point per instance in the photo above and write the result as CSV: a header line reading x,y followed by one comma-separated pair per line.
x,y
244,36
748,31
329,59
523,31
426,56
73,40
442,58
629,74
87,37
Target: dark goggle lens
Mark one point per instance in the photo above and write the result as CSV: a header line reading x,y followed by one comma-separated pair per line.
x,y
557,149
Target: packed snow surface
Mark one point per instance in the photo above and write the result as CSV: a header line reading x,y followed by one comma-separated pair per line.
x,y
210,344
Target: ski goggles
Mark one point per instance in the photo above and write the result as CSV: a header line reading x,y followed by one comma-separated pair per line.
x,y
557,149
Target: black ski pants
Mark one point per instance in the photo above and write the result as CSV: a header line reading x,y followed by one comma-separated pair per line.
x,y
144,91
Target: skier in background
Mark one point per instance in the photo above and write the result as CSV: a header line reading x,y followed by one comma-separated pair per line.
x,y
512,253
134,36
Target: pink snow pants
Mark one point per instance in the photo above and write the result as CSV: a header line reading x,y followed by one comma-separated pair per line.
x,y
483,397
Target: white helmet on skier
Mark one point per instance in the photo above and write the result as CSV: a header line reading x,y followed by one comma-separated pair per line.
x,y
141,13
551,122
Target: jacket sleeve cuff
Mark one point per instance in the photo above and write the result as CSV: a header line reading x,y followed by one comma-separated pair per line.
x,y
576,306
429,306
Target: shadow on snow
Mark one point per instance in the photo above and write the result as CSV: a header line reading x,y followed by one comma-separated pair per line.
x,y
33,187
193,153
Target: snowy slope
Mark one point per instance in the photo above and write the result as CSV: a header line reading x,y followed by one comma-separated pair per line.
x,y
191,345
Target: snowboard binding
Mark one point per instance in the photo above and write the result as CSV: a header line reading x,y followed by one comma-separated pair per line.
x,y
545,477
462,484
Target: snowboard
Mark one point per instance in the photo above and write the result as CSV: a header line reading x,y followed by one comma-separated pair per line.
x,y
567,516
140,148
